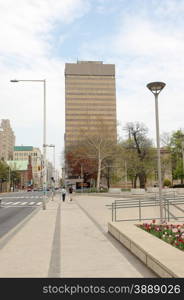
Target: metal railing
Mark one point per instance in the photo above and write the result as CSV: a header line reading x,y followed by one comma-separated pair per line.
x,y
169,200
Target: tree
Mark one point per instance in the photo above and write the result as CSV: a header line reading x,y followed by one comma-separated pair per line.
x,y
15,178
139,153
95,148
78,164
177,138
3,171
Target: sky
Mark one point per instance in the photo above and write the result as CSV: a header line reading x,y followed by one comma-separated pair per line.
x,y
143,38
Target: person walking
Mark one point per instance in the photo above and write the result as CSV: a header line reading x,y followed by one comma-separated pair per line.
x,y
70,192
63,193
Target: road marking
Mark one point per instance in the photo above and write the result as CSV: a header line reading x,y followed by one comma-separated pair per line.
x,y
31,203
23,203
7,203
16,203
39,203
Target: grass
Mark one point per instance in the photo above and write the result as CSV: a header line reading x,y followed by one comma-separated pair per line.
x,y
170,233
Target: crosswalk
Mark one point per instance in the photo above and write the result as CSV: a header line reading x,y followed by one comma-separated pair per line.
x,y
15,203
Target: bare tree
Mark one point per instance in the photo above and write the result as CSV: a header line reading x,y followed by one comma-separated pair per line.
x,y
139,152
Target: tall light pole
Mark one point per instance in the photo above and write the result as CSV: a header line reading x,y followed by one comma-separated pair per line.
x,y
155,88
54,171
44,135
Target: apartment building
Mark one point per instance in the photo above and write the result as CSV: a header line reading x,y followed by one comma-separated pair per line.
x,y
7,140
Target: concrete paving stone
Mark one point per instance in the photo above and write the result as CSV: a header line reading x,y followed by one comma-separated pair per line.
x,y
85,250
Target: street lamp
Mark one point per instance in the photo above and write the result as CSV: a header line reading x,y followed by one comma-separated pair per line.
x,y
44,136
155,88
53,173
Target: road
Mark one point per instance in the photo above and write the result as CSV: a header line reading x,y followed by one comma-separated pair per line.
x,y
17,206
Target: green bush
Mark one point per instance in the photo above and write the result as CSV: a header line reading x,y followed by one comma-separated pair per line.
x,y
167,182
125,190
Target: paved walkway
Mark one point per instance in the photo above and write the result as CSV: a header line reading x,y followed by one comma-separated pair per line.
x,y
68,239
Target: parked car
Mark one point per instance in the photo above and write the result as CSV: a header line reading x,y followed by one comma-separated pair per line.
x,y
29,189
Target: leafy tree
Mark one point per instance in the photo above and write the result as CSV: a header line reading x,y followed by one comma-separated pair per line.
x,y
3,171
176,148
15,178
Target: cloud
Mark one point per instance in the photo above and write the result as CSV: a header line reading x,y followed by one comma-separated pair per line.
x,y
146,45
25,27
27,32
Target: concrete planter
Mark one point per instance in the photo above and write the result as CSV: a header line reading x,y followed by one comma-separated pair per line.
x,y
137,191
164,259
115,190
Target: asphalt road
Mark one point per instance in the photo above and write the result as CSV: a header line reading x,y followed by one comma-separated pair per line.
x,y
16,206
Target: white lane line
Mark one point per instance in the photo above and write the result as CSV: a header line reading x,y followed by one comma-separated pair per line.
x,y
23,203
31,203
15,203
7,203
39,203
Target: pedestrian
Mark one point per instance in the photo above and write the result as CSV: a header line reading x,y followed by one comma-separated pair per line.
x,y
70,192
63,193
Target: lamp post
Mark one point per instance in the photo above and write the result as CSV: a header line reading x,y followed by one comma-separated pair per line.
x,y
44,136
155,88
53,173
9,177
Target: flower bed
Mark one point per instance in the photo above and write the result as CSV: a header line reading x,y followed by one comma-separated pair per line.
x,y
170,233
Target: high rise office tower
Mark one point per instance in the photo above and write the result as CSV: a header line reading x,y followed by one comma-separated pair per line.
x,y
90,100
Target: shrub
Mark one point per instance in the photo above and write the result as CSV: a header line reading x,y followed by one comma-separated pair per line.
x,y
167,182
125,190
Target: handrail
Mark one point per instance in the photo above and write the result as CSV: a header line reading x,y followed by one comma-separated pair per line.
x,y
133,203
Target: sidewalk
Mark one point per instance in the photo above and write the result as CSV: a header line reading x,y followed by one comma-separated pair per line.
x,y
69,239
28,252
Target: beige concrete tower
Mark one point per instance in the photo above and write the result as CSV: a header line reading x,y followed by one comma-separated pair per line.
x,y
7,140
90,98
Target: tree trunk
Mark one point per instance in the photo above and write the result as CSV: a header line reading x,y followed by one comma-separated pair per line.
x,y
108,177
135,182
142,180
99,174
